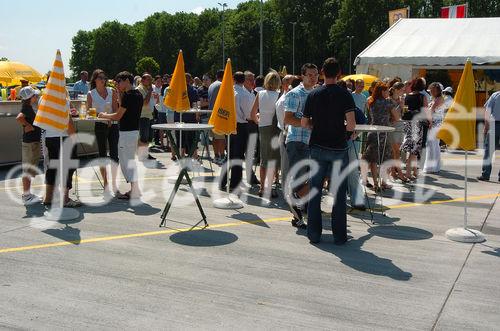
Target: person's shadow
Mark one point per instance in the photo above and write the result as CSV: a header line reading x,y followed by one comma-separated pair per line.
x,y
67,233
353,256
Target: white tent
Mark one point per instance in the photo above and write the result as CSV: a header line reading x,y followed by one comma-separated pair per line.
x,y
432,43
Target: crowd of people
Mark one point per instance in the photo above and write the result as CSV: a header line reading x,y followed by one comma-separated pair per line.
x,y
283,123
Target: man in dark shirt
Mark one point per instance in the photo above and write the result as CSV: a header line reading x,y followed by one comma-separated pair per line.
x,y
187,136
326,112
129,113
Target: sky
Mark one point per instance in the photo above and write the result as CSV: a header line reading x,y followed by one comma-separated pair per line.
x,y
32,35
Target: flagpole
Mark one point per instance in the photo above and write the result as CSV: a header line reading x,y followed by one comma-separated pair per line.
x,y
180,139
465,97
465,199
228,168
61,155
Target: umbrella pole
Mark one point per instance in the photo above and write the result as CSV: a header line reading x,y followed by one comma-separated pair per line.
x,y
228,169
465,191
228,202
180,139
464,234
61,155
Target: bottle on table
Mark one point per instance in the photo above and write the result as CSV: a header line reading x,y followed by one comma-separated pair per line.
x,y
83,110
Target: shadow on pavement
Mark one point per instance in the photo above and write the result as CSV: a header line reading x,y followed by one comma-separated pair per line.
x,y
142,209
250,218
68,233
203,238
352,255
400,232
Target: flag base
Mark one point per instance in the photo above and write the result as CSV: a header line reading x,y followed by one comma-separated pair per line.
x,y
228,203
465,235
61,214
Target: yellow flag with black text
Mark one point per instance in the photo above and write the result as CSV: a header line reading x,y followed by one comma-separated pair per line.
x,y
177,97
459,126
223,116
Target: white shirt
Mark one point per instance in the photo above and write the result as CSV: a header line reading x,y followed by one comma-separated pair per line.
x,y
267,107
244,103
99,103
280,111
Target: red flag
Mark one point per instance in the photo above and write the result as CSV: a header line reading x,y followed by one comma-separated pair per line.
x,y
459,11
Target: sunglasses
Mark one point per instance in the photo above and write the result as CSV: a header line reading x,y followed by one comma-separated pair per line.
x,y
101,77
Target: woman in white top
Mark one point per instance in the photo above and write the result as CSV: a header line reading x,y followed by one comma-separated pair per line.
x,y
437,108
104,100
265,102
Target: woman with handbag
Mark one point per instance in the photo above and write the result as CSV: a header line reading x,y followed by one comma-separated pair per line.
x,y
414,118
265,102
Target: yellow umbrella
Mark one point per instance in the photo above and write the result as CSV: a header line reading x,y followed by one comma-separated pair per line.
x,y
12,72
368,79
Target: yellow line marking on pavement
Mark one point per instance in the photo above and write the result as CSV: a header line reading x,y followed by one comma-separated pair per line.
x,y
138,235
438,202
215,226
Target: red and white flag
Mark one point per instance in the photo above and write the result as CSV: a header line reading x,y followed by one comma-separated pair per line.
x,y
459,11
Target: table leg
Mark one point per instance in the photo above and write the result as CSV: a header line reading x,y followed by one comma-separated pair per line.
x,y
182,173
370,208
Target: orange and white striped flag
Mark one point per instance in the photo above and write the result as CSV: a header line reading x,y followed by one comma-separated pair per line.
x,y
53,111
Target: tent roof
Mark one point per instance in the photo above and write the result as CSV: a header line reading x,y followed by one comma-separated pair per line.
x,y
436,41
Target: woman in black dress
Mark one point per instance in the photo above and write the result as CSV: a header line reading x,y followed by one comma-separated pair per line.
x,y
414,117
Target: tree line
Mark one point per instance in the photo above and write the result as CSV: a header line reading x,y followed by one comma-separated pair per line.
x,y
321,30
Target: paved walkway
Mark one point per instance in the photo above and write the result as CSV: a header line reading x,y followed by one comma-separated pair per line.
x,y
114,268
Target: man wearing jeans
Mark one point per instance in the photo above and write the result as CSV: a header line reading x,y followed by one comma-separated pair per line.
x,y
491,134
327,109
297,139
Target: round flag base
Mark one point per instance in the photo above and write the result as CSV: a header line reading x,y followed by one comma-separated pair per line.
x,y
61,214
465,235
228,203
173,180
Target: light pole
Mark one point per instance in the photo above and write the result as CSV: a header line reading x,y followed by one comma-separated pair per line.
x,y
261,64
293,47
350,53
223,5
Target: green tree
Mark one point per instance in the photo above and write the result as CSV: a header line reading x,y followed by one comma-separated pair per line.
x,y
4,59
147,64
81,54
114,48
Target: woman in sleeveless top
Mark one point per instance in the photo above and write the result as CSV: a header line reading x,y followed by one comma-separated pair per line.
x,y
437,108
265,102
379,108
104,99
396,93
413,126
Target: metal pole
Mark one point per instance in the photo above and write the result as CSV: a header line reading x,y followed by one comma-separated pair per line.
x,y
261,65
293,47
465,200
223,5
350,53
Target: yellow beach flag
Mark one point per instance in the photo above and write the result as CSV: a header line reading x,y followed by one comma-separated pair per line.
x,y
177,97
53,111
223,116
461,117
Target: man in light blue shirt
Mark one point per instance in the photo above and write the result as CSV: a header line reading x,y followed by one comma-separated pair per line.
x,y
297,138
82,86
491,134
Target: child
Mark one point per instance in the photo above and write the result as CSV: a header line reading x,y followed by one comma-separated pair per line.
x,y
31,141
